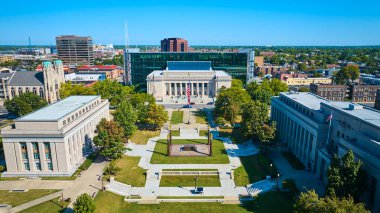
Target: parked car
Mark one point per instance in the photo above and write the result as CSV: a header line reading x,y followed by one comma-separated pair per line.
x,y
187,106
192,103
210,103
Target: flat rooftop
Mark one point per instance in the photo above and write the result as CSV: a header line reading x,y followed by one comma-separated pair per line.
x,y
218,73
59,109
306,99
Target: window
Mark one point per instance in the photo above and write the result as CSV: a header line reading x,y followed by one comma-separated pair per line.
x,y
38,166
34,90
24,150
47,150
64,123
50,166
26,166
41,93
27,90
19,90
36,153
338,133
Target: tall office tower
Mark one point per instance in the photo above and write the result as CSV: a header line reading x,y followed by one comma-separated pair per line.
x,y
75,50
174,45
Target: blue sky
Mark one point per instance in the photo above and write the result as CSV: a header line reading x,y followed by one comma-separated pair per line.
x,y
201,22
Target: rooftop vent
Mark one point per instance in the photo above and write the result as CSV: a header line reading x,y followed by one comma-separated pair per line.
x,y
354,106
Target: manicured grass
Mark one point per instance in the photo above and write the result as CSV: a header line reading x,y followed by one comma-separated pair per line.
x,y
255,168
142,136
201,117
177,117
104,199
293,160
219,155
273,202
235,134
190,197
51,206
268,202
188,180
130,173
18,198
175,133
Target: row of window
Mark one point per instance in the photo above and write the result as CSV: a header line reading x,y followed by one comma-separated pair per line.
x,y
297,106
27,90
36,155
80,112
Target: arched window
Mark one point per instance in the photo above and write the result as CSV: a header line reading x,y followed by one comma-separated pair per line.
x,y
19,90
13,92
41,92
34,90
27,90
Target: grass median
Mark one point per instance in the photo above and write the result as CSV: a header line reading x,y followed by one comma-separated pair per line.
x,y
189,180
17,198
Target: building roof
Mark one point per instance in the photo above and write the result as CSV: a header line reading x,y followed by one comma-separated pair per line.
x,y
189,65
5,75
59,109
306,99
84,77
29,78
97,67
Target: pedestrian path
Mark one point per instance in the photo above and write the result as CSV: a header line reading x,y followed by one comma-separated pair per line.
x,y
152,188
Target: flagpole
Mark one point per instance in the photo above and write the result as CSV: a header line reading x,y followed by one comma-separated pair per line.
x,y
188,97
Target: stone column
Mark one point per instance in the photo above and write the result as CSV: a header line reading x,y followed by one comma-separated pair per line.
x,y
180,86
41,149
18,153
175,89
32,165
170,89
54,159
203,89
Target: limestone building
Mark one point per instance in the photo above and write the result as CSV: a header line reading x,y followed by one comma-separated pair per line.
x,y
46,84
53,141
173,83
303,126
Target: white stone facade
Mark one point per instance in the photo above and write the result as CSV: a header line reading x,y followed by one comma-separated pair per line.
x,y
169,84
56,143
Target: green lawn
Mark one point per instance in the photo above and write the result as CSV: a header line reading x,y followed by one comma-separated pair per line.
x,y
18,198
235,134
201,117
189,169
269,202
293,161
190,197
175,133
255,168
219,155
177,117
142,136
130,173
188,180
51,206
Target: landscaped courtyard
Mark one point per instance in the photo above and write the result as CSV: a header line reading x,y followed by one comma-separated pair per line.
x,y
177,117
142,136
188,180
160,155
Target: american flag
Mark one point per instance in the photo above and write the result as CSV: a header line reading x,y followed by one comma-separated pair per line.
x,y
188,93
329,118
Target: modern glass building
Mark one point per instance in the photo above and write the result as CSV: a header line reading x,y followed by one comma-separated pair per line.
x,y
140,65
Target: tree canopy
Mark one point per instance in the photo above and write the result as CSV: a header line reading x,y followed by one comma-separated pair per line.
x,y
110,139
229,102
345,177
25,103
309,202
67,89
126,116
84,204
155,116
346,74
264,91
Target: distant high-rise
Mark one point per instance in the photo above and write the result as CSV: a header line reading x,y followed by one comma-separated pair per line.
x,y
75,50
174,45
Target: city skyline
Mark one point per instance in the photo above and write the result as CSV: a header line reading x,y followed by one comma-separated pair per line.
x,y
244,23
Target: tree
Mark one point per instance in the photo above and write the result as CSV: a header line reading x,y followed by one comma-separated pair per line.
x,y
126,116
237,83
25,103
84,204
343,177
229,102
256,123
264,91
309,202
110,139
113,91
67,89
156,116
347,73
303,89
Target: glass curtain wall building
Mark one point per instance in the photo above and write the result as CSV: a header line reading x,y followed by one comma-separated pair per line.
x,y
139,65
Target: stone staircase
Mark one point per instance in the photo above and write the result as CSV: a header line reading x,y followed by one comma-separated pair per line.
x,y
258,187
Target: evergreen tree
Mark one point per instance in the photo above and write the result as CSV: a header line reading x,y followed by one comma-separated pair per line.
x,y
126,116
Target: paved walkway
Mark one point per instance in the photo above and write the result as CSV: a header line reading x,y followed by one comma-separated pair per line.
x,y
36,202
304,180
152,188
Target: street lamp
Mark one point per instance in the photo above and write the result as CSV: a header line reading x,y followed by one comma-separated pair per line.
x,y
270,171
195,183
278,178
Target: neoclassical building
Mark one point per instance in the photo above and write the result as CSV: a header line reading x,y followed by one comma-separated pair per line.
x,y
46,84
53,141
314,129
173,83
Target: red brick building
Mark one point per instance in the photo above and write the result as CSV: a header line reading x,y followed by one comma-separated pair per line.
x,y
174,45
